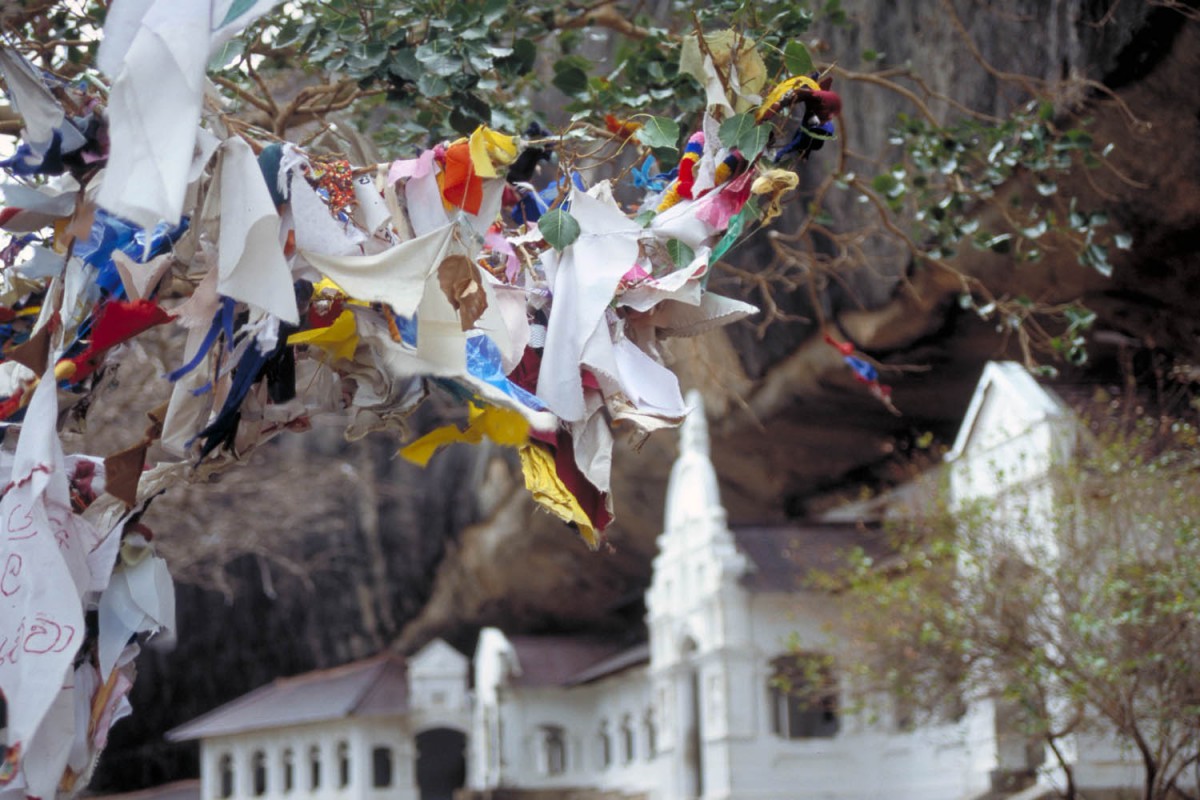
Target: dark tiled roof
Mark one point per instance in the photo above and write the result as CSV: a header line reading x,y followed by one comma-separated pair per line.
x,y
372,687
633,657
558,660
787,558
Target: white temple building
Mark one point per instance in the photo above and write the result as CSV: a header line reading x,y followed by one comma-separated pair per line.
x,y
385,727
696,712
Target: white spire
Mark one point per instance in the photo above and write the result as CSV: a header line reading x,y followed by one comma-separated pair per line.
x,y
693,434
693,499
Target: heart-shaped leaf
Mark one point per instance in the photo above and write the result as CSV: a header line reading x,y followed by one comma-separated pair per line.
x,y
238,8
558,228
753,142
734,128
742,132
796,58
680,253
659,132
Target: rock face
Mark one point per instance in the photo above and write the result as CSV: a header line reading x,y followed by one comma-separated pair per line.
x,y
390,555
790,422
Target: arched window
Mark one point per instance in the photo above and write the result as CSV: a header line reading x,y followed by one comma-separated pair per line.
x,y
650,731
289,770
225,776
381,767
258,769
553,755
314,767
604,742
804,696
343,755
627,740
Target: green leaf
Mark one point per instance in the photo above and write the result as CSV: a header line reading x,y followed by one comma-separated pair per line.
x,y
1036,230
438,57
753,142
680,253
238,8
736,225
835,12
734,128
494,10
470,111
797,59
742,132
229,52
1123,241
1000,243
521,61
1096,256
571,80
1079,317
571,75
558,228
884,183
659,132
479,59
432,85
463,82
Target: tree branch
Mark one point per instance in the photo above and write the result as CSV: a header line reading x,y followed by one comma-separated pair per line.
x,y
243,94
604,15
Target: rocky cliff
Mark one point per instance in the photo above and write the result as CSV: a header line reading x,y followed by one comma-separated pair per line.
x,y
354,550
793,430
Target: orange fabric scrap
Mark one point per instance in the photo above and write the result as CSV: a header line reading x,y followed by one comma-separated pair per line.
x,y
461,186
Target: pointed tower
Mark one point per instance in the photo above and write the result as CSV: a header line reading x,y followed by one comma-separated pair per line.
x,y
697,614
693,511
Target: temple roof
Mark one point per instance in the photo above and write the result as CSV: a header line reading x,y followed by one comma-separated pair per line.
x,y
562,660
788,558
375,686
631,657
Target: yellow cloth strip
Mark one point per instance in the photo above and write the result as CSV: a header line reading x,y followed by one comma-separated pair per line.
x,y
800,81
339,340
542,481
488,149
776,183
503,426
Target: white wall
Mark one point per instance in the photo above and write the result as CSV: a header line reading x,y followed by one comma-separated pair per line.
x,y
488,765
580,711
1015,434
361,737
868,758
437,676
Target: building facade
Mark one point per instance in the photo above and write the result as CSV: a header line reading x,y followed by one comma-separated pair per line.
x,y
386,727
706,712
739,689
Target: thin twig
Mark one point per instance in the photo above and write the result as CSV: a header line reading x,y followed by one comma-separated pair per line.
x,y
246,95
892,86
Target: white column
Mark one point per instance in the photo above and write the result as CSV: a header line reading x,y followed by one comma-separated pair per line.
x,y
243,780
210,777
